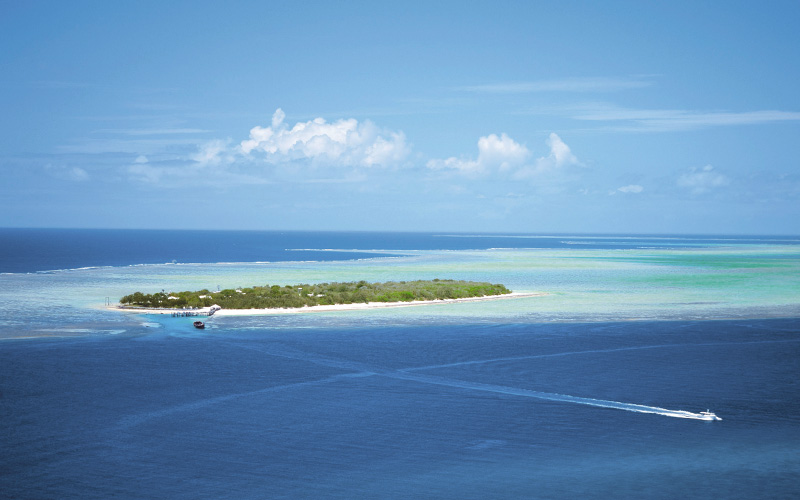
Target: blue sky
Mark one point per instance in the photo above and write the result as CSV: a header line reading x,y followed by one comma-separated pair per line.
x,y
602,117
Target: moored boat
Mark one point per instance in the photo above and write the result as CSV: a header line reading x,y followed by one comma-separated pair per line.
x,y
199,324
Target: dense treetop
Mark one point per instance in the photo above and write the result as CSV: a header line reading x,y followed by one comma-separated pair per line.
x,y
265,297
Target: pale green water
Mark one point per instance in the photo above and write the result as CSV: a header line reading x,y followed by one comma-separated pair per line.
x,y
582,285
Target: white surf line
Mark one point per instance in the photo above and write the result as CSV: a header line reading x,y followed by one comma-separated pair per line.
x,y
550,396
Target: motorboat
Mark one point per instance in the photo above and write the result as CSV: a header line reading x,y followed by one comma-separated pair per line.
x,y
708,415
201,325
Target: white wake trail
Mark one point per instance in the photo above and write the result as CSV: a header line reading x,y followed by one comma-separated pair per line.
x,y
550,396
362,370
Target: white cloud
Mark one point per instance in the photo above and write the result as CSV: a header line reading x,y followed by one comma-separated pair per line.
x,y
277,118
494,153
454,163
216,152
629,189
560,153
560,156
501,152
702,180
504,155
344,142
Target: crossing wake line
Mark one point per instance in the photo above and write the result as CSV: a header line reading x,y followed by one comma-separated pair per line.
x,y
406,374
550,396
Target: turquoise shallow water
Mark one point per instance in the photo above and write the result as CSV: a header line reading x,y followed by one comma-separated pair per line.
x,y
580,285
440,401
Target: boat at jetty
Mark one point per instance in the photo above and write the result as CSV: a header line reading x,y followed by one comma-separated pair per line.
x,y
708,415
199,324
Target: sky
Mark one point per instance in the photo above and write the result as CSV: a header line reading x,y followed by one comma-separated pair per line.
x,y
530,116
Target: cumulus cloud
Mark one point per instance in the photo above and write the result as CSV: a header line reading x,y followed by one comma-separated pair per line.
x,y
346,142
560,153
503,154
702,180
560,156
356,146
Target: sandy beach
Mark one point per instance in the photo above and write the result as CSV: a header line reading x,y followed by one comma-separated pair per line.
x,y
330,308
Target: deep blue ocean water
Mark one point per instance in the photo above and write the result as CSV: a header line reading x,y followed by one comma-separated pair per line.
x,y
31,250
431,411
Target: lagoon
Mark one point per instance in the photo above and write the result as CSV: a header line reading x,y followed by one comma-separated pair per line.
x,y
436,401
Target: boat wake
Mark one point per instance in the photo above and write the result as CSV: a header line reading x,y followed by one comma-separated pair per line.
x,y
357,370
551,396
138,419
407,374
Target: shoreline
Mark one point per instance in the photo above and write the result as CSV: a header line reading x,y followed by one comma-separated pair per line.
x,y
360,306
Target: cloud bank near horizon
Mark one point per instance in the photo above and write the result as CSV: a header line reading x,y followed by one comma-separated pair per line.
x,y
346,151
344,142
354,145
502,154
362,153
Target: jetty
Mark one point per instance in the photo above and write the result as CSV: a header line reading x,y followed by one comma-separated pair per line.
x,y
196,312
186,314
179,313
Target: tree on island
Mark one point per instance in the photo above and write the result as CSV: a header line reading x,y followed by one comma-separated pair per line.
x,y
292,296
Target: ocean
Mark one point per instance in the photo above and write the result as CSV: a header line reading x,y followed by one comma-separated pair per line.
x,y
496,399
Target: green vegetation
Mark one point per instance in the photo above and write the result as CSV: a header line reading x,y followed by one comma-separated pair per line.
x,y
266,297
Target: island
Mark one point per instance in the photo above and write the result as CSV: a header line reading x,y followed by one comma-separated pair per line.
x,y
314,295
